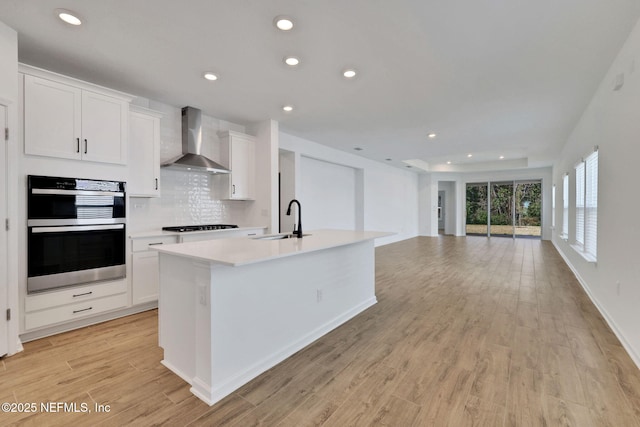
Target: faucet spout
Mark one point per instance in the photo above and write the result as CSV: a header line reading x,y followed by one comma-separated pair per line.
x,y
297,232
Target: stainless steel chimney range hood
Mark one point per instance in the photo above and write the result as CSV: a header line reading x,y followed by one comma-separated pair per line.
x,y
191,159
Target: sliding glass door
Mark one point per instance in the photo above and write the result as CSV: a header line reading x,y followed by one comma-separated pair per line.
x,y
508,209
501,200
477,209
528,218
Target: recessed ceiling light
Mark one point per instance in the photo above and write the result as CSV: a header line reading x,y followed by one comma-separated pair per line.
x,y
291,60
409,166
210,76
358,149
432,135
288,108
388,160
501,157
68,16
349,73
469,155
283,23
449,162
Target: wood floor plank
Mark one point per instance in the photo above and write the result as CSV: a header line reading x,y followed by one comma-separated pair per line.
x,y
524,406
563,413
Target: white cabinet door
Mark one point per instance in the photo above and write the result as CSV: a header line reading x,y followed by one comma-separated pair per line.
x,y
52,118
238,150
144,149
104,128
146,277
242,168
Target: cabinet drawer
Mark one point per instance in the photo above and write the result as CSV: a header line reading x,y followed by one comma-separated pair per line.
x,y
72,295
139,245
75,311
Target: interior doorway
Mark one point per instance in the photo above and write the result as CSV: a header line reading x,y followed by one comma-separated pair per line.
x,y
441,211
504,209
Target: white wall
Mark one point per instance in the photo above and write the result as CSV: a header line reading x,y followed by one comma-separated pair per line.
x,y
611,122
328,194
9,98
386,197
264,210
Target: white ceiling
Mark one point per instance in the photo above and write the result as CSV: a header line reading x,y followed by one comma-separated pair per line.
x,y
490,77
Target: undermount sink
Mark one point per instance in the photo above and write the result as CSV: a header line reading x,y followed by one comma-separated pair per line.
x,y
279,237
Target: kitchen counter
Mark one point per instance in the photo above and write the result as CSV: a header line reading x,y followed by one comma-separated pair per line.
x,y
238,252
230,309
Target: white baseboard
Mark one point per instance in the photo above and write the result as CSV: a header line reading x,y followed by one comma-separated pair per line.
x,y
605,314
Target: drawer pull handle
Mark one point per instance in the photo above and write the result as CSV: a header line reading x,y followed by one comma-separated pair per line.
x,y
252,234
80,311
86,146
156,183
77,145
159,243
81,295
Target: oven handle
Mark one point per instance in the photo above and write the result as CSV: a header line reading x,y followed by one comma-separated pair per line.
x,y
73,221
76,228
76,192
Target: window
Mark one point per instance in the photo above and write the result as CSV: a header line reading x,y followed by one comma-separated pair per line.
x,y
565,206
586,239
591,206
580,204
553,206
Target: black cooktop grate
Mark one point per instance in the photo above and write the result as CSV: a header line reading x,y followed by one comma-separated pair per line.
x,y
186,228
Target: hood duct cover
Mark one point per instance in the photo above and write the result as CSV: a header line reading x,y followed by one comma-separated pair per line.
x,y
191,159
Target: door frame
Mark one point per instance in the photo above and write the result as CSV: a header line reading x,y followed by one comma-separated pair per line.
x,y
4,215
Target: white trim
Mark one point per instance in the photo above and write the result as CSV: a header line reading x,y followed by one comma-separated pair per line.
x,y
91,87
580,250
610,322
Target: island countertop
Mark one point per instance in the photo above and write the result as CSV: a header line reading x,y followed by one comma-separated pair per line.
x,y
249,250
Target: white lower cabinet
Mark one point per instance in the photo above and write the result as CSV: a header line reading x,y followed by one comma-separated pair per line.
x,y
50,308
144,268
145,277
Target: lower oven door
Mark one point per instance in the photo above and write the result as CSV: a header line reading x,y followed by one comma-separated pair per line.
x,y
68,255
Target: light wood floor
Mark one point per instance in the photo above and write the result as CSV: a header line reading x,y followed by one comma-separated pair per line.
x,y
467,332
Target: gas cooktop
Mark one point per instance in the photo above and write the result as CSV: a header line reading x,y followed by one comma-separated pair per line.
x,y
186,228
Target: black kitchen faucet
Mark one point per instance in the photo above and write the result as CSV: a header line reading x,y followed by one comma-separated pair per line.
x,y
297,232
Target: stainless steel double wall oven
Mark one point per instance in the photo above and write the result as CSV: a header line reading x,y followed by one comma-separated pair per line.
x,y
76,231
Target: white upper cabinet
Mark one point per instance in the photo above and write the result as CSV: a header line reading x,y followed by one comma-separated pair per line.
x,y
144,150
238,151
52,118
74,121
104,128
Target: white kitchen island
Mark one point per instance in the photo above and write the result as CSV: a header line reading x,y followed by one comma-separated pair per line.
x,y
230,309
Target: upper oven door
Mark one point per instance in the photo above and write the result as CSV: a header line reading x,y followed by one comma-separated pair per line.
x,y
69,201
